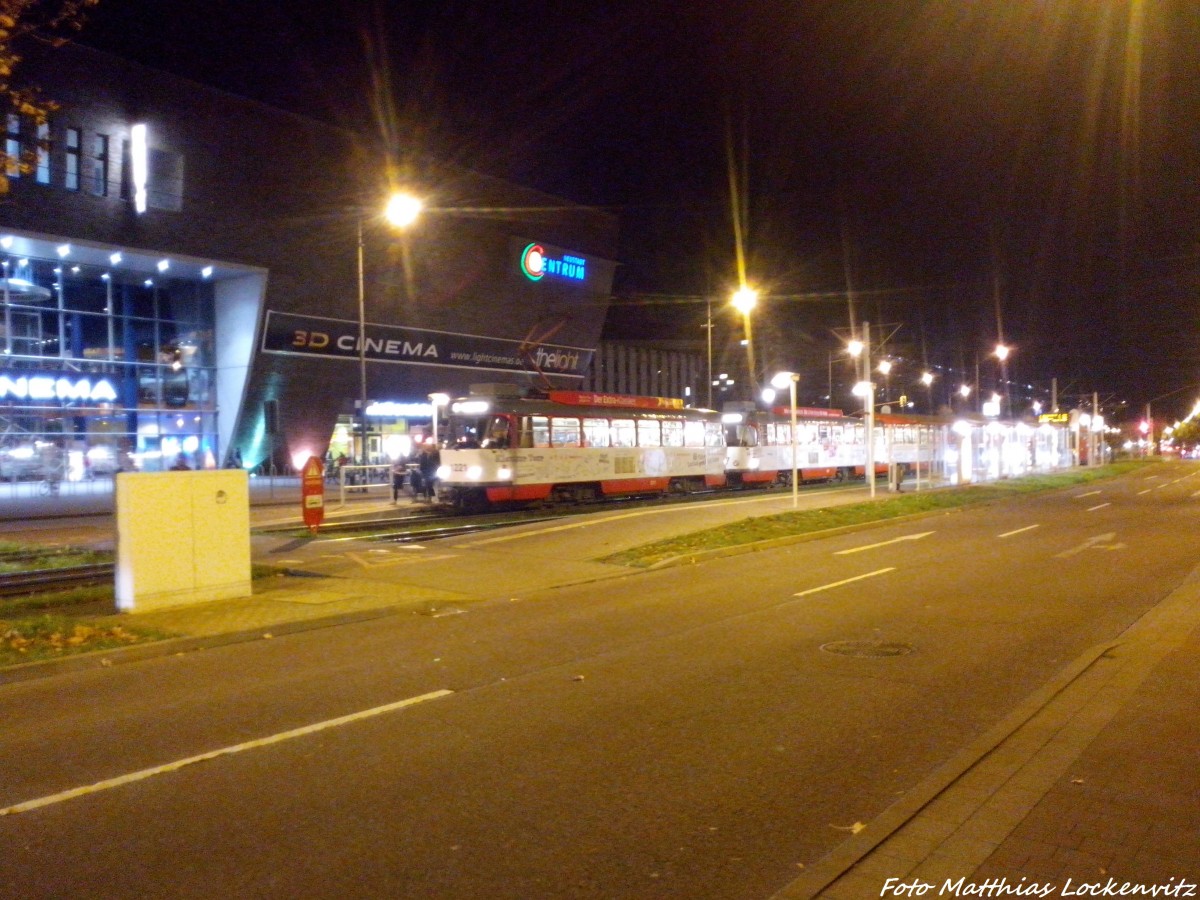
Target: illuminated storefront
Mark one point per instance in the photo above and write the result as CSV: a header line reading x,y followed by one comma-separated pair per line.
x,y
104,367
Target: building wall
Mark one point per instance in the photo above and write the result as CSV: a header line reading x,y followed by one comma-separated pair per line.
x,y
647,370
276,201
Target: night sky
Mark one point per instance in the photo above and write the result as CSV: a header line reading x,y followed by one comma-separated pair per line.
x,y
964,170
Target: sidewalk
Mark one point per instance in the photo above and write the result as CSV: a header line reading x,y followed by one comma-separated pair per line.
x,y
1090,786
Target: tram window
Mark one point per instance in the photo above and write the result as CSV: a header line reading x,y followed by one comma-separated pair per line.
x,y
564,432
496,433
713,437
694,434
541,431
648,433
595,432
623,433
672,433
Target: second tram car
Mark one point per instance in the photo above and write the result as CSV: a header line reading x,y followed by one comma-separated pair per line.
x,y
830,446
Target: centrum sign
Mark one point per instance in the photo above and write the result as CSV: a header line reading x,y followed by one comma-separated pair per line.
x,y
55,387
296,335
537,262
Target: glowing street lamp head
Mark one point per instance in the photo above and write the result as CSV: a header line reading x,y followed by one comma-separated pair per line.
x,y
402,209
965,390
927,378
855,348
885,366
782,380
745,299
1002,352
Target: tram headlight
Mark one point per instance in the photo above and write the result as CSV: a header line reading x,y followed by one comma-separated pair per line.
x,y
504,474
443,472
474,473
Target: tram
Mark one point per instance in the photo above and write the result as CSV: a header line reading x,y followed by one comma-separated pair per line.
x,y
574,446
830,446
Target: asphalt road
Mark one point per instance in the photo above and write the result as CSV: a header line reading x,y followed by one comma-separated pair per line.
x,y
679,733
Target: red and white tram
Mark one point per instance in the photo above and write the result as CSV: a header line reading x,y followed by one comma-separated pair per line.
x,y
505,447
572,445
830,445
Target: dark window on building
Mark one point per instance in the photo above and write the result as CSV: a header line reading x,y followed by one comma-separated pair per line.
x,y
12,147
43,153
100,160
74,148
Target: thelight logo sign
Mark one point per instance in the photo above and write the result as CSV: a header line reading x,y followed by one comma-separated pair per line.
x,y
536,264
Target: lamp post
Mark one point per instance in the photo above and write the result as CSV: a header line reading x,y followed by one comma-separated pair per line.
x,y
1002,351
400,211
790,379
437,401
866,389
744,300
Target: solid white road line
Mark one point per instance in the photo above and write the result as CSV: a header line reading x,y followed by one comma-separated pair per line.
x,y
213,754
907,537
1018,531
834,584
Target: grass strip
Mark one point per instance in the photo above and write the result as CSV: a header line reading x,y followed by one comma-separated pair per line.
x,y
756,529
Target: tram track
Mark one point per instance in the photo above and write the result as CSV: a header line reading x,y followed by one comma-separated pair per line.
x,y
46,581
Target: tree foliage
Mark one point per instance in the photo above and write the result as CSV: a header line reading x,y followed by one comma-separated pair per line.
x,y
49,21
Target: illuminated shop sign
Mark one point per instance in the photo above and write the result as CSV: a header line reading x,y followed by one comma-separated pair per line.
x,y
1054,418
51,387
537,263
297,335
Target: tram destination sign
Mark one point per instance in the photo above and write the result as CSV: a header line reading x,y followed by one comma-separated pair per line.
x,y
296,335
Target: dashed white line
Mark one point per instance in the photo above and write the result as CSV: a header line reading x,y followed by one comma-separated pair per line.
x,y
1097,506
907,537
833,584
1018,531
213,754
1087,494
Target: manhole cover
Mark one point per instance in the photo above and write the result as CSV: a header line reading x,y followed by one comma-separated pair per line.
x,y
871,649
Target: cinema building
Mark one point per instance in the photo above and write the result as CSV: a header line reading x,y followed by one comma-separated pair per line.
x,y
189,276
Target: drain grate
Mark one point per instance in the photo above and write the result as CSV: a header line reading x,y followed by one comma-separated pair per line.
x,y
868,649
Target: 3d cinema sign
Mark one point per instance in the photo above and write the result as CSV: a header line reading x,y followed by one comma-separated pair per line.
x,y
50,388
537,262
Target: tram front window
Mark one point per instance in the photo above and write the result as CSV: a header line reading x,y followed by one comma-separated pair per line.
x,y
491,432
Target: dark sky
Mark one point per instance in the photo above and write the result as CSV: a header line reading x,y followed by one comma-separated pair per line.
x,y
965,169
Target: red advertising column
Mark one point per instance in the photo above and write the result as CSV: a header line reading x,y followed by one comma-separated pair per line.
x,y
312,493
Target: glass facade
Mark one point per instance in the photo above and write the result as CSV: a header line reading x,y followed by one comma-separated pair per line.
x,y
104,370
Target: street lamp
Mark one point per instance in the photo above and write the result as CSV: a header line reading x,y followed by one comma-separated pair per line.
x,y
744,300
866,389
778,382
400,211
437,401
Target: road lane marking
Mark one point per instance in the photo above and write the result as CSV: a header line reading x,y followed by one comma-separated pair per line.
x,y
1097,506
1088,494
907,537
833,584
213,754
1146,491
1099,542
1018,531
397,560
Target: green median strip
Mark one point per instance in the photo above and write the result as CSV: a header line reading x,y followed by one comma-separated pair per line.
x,y
758,529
